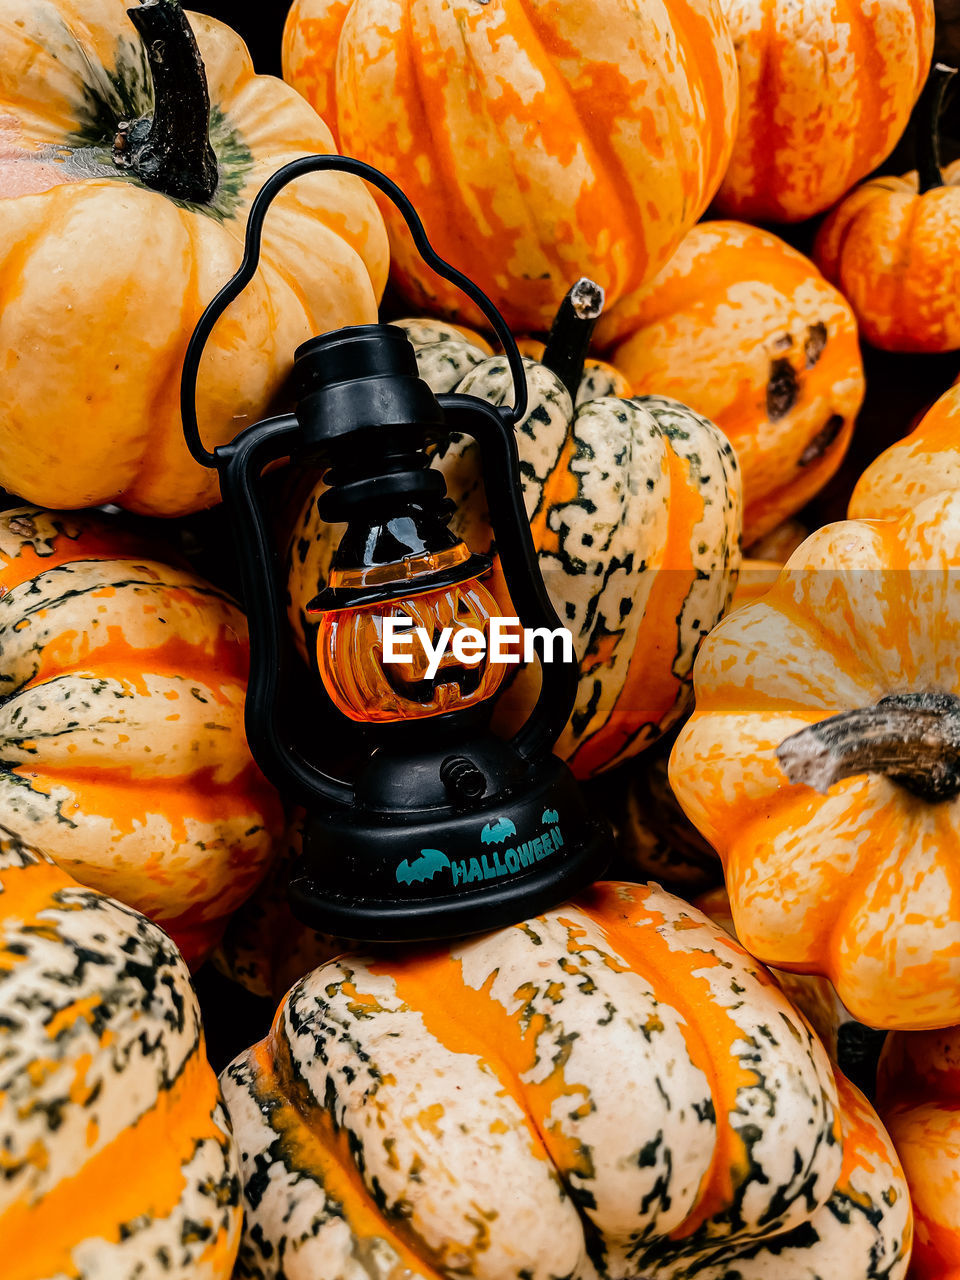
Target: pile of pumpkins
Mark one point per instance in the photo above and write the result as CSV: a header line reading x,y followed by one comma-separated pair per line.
x,y
618,1088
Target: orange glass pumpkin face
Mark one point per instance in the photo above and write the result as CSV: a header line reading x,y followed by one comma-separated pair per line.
x,y
367,687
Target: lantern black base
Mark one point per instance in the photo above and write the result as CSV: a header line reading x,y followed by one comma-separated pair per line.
x,y
409,873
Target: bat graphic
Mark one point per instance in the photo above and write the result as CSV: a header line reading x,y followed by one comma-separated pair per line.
x,y
497,832
423,868
550,818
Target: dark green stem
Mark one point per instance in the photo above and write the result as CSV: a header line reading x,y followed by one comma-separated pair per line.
x,y
170,151
571,331
911,738
928,127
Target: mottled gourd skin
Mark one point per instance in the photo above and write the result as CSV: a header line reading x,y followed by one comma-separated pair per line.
x,y
537,141
613,1089
812,995
635,509
826,89
102,279
122,749
746,331
117,1158
918,1095
924,463
860,884
895,256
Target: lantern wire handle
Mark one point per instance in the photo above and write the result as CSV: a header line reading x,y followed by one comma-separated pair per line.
x,y
251,261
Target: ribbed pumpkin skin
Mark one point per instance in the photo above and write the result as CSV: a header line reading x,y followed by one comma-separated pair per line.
x,y
537,142
826,89
103,280
118,1161
746,331
635,511
121,730
922,464
895,256
619,1062
862,884
918,1095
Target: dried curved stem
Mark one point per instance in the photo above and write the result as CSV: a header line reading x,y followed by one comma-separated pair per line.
x,y
911,738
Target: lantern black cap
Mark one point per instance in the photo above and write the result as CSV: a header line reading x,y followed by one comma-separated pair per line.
x,y
353,378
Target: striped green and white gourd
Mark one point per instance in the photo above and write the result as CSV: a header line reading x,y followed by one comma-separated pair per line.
x,y
635,505
116,1155
613,1089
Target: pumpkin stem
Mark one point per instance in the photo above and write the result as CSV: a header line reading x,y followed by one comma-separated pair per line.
x,y
571,331
911,738
170,151
929,174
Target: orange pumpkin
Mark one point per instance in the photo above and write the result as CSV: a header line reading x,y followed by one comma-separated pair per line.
x,y
893,248
536,141
918,1096
121,728
112,240
924,463
821,763
746,331
826,89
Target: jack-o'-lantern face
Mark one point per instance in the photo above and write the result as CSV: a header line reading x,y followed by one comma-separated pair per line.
x,y
420,682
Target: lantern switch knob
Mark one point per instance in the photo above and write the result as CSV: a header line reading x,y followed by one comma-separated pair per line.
x,y
464,782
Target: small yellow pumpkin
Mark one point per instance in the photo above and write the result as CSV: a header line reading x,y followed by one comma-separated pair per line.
x,y
821,763
130,151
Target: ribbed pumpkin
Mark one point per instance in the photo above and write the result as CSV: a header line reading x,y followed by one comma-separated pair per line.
x,y
121,728
826,89
536,141
918,1095
746,331
635,510
611,1089
893,248
117,1156
924,463
821,764
112,242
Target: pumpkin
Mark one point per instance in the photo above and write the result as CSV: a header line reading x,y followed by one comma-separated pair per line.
x,y
892,247
635,510
819,764
924,463
918,1095
117,1155
813,996
826,89
121,730
535,141
115,233
747,332
852,1046
611,1089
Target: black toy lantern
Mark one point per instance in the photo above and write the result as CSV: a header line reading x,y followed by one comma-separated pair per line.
x,y
444,828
